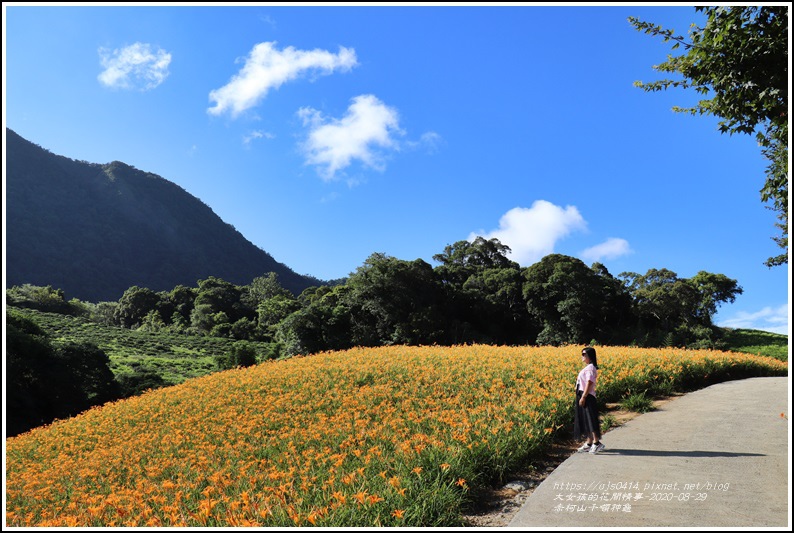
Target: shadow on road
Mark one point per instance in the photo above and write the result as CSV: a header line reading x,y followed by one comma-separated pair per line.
x,y
668,453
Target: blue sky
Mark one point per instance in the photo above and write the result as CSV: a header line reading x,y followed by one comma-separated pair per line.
x,y
327,133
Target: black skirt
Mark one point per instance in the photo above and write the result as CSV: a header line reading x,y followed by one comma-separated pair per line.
x,y
585,419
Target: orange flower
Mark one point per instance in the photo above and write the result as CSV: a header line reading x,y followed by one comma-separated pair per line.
x,y
206,436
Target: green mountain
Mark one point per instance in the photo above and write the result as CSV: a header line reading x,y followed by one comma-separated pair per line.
x,y
95,230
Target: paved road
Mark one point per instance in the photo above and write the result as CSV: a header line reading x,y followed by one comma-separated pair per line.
x,y
717,457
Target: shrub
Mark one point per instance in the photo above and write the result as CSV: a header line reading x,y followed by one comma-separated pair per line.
x,y
242,354
608,421
638,403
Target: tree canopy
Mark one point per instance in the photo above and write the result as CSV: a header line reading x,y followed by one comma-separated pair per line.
x,y
739,58
572,302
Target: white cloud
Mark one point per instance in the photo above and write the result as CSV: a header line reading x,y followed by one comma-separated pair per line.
x,y
270,21
531,233
609,249
774,319
257,134
266,68
137,66
364,134
430,141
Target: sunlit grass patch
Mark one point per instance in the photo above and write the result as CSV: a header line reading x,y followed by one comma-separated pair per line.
x,y
639,403
758,342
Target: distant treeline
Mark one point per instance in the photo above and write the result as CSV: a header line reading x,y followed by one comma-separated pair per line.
x,y
475,295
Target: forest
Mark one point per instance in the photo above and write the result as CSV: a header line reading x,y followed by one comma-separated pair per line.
x,y
476,294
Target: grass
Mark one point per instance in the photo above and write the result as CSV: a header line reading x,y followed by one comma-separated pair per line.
x,y
390,436
608,421
639,403
173,357
757,342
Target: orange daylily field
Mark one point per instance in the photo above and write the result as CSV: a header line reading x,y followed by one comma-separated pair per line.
x,y
384,436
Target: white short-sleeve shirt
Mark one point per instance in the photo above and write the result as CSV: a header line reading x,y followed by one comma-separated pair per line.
x,y
588,373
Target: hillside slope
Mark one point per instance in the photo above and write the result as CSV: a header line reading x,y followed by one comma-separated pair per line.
x,y
94,230
390,436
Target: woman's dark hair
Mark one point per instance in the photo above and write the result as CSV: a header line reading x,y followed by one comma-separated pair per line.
x,y
591,354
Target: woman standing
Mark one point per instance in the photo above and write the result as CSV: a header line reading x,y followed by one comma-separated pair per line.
x,y
585,421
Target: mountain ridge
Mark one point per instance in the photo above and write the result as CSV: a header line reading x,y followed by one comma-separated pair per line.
x,y
95,230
